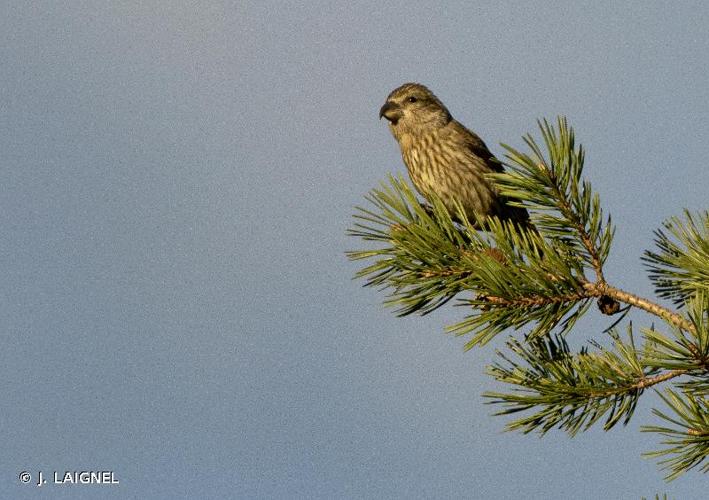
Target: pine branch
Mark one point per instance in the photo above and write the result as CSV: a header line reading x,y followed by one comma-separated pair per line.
x,y
573,391
600,289
687,444
539,278
679,268
563,205
689,347
430,259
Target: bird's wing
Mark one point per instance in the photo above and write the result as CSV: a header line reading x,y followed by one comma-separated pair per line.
x,y
476,146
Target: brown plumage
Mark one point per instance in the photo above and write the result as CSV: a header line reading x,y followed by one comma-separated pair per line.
x,y
444,157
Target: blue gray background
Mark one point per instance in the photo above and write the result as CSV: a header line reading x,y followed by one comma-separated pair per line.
x,y
177,178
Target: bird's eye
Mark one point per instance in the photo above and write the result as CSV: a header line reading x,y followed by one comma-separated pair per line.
x,y
412,99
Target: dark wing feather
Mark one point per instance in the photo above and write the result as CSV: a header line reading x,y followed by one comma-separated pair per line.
x,y
476,146
505,211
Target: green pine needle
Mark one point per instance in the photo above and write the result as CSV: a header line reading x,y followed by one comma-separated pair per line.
x,y
687,444
679,268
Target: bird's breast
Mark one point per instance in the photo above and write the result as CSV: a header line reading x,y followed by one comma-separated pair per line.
x,y
442,166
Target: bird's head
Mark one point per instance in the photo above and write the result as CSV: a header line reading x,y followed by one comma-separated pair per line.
x,y
412,108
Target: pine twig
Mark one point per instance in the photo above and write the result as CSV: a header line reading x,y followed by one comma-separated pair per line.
x,y
601,288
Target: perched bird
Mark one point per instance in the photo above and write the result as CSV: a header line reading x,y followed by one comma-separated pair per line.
x,y
444,157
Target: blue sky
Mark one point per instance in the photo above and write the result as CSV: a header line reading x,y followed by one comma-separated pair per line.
x,y
177,179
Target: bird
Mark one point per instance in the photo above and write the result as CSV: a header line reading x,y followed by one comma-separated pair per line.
x,y
444,157
447,159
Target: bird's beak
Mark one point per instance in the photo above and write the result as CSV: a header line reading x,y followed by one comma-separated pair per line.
x,y
391,112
